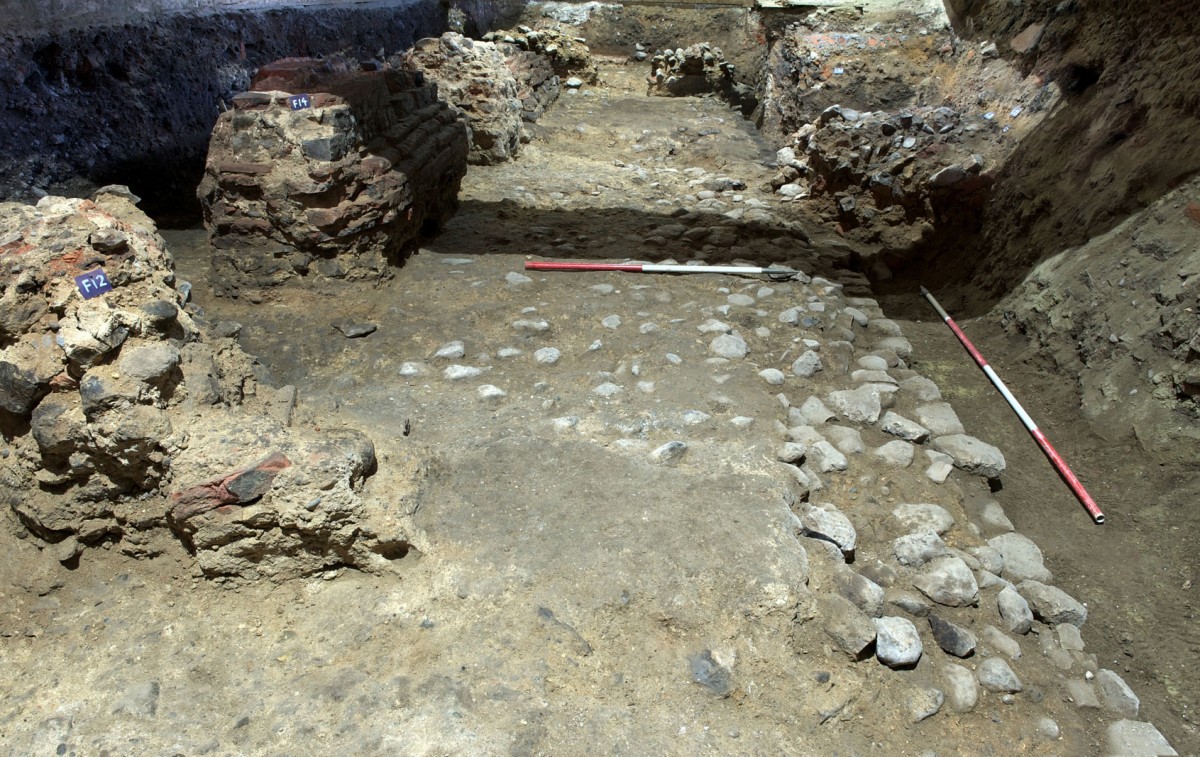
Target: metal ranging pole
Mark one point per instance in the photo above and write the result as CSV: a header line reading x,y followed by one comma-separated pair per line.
x,y
1060,465
783,273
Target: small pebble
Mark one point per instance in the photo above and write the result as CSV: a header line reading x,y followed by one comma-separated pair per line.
x,y
695,417
450,350
670,453
491,392
772,376
458,372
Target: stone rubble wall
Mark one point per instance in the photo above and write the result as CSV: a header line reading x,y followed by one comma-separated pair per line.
x,y
498,86
916,175
696,70
124,422
97,422
568,55
338,189
888,177
537,84
820,62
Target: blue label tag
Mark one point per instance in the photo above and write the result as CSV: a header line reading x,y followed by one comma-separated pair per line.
x,y
93,283
300,102
839,71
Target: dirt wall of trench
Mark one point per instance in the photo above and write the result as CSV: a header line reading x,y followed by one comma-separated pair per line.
x,y
1087,248
1124,136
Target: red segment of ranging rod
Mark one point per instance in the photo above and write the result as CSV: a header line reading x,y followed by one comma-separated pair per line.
x,y
1056,459
537,265
534,265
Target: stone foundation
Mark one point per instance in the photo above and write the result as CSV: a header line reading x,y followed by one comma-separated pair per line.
x,y
498,86
122,421
337,188
699,69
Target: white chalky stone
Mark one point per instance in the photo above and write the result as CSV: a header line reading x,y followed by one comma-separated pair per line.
x,y
670,453
450,350
531,326
807,364
608,389
729,346
772,376
713,326
458,372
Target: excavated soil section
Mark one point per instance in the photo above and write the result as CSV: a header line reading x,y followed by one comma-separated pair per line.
x,y
576,581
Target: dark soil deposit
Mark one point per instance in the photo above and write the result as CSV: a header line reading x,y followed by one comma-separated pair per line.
x,y
323,468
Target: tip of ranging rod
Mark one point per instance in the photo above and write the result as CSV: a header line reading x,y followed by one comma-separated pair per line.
x,y
924,291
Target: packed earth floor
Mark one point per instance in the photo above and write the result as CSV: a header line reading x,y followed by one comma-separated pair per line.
x,y
648,514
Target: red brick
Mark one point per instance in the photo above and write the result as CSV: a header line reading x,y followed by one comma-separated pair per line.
x,y
239,488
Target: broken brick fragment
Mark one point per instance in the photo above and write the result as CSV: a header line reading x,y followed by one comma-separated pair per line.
x,y
240,488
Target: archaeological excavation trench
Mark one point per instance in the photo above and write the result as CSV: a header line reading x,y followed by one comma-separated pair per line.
x,y
300,457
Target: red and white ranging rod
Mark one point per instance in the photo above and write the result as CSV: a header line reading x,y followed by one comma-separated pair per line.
x,y
536,265
1064,470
